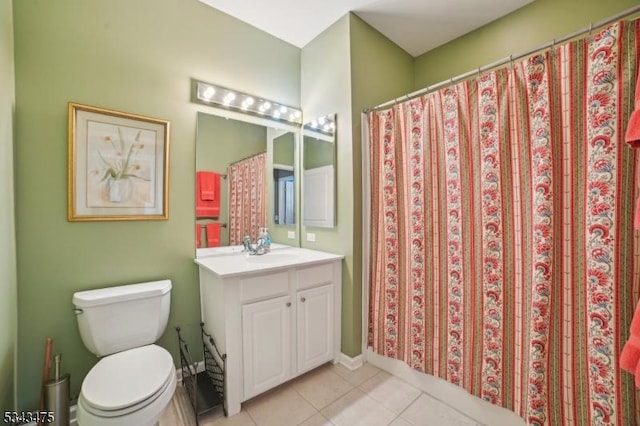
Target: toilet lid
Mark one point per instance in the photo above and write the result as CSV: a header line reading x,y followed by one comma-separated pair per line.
x,y
127,378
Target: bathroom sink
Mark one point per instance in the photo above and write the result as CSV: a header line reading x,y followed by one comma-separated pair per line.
x,y
272,258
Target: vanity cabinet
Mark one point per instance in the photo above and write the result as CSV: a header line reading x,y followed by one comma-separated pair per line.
x,y
266,344
274,322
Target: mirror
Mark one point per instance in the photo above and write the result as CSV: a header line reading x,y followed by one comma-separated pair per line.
x,y
256,164
319,172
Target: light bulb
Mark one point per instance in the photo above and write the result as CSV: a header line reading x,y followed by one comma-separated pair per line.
x,y
267,105
209,92
250,101
321,120
283,109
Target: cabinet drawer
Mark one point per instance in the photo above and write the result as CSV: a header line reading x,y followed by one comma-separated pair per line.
x,y
314,275
264,286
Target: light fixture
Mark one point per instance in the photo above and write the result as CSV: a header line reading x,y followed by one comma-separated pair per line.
x,y
325,125
211,94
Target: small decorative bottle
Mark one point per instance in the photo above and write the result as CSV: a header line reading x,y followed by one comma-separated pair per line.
x,y
266,240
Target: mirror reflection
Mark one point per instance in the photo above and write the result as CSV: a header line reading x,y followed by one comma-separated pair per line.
x,y
235,194
319,160
284,179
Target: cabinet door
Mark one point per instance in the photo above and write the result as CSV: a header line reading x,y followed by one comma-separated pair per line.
x,y
315,327
266,344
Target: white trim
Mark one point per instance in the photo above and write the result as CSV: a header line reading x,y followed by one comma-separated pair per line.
x,y
351,363
366,226
283,167
199,369
454,396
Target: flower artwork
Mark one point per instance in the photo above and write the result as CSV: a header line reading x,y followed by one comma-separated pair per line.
x,y
118,165
121,165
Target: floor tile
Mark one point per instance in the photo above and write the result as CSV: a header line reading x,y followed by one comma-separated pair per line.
x,y
399,421
279,407
317,420
427,411
357,408
355,377
321,387
391,392
218,419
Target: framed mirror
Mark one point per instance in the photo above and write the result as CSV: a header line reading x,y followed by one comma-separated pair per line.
x,y
253,164
319,172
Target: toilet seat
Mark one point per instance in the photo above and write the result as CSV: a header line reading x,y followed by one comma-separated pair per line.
x,y
128,381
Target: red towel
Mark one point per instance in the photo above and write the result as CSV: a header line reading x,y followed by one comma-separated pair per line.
x,y
213,235
630,356
198,235
208,182
207,194
633,139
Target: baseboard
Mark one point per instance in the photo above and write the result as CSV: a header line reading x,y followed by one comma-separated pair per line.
x,y
199,369
351,363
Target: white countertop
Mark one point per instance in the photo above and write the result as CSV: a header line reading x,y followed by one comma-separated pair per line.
x,y
229,263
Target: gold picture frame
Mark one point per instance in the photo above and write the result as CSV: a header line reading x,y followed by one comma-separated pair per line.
x,y
118,165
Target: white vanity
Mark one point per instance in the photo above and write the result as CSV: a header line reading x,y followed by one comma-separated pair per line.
x,y
276,316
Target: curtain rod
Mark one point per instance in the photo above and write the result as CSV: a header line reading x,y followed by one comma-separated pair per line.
x,y
506,60
246,158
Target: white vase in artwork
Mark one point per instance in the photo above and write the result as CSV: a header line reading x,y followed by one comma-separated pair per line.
x,y
119,190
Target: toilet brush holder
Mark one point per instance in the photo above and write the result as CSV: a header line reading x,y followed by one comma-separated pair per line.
x,y
56,400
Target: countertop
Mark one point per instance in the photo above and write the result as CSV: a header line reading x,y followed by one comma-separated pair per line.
x,y
229,263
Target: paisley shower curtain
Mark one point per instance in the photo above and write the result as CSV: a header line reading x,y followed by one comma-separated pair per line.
x,y
503,256
247,198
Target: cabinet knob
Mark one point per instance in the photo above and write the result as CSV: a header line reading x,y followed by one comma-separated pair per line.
x,y
288,304
303,299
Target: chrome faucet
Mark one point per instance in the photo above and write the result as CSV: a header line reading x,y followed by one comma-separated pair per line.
x,y
259,249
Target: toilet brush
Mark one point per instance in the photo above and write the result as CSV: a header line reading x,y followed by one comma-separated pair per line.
x,y
57,395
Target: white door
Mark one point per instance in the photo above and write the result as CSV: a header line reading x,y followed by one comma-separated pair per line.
x,y
315,327
266,344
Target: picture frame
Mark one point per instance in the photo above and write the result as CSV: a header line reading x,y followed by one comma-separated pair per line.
x,y
118,165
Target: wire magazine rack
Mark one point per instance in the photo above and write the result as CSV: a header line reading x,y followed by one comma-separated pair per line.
x,y
205,389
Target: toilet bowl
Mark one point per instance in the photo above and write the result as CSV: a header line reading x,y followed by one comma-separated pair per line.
x,y
134,381
128,388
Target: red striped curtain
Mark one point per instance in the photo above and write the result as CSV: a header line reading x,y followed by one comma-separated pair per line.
x,y
503,256
247,198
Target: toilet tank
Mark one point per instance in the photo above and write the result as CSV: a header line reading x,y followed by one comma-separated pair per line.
x,y
115,319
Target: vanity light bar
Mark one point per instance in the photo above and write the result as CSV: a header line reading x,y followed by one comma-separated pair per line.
x,y
326,125
211,94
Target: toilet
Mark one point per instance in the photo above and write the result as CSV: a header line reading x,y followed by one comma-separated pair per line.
x,y
134,380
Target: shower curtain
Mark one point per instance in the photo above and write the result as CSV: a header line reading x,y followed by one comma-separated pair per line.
x,y
247,198
503,257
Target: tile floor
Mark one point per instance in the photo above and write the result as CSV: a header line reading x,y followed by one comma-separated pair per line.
x,y
330,395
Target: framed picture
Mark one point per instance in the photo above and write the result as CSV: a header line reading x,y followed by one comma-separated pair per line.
x,y
118,165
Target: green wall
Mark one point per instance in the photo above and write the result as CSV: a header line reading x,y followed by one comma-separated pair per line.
x,y
317,153
284,150
8,280
380,70
220,142
527,28
135,57
326,89
347,68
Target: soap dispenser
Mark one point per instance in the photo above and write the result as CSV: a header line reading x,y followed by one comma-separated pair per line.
x,y
266,240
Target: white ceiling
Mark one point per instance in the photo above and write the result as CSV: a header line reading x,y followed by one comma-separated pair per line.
x,y
415,25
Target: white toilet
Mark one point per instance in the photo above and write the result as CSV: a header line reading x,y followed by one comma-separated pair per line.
x,y
134,380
